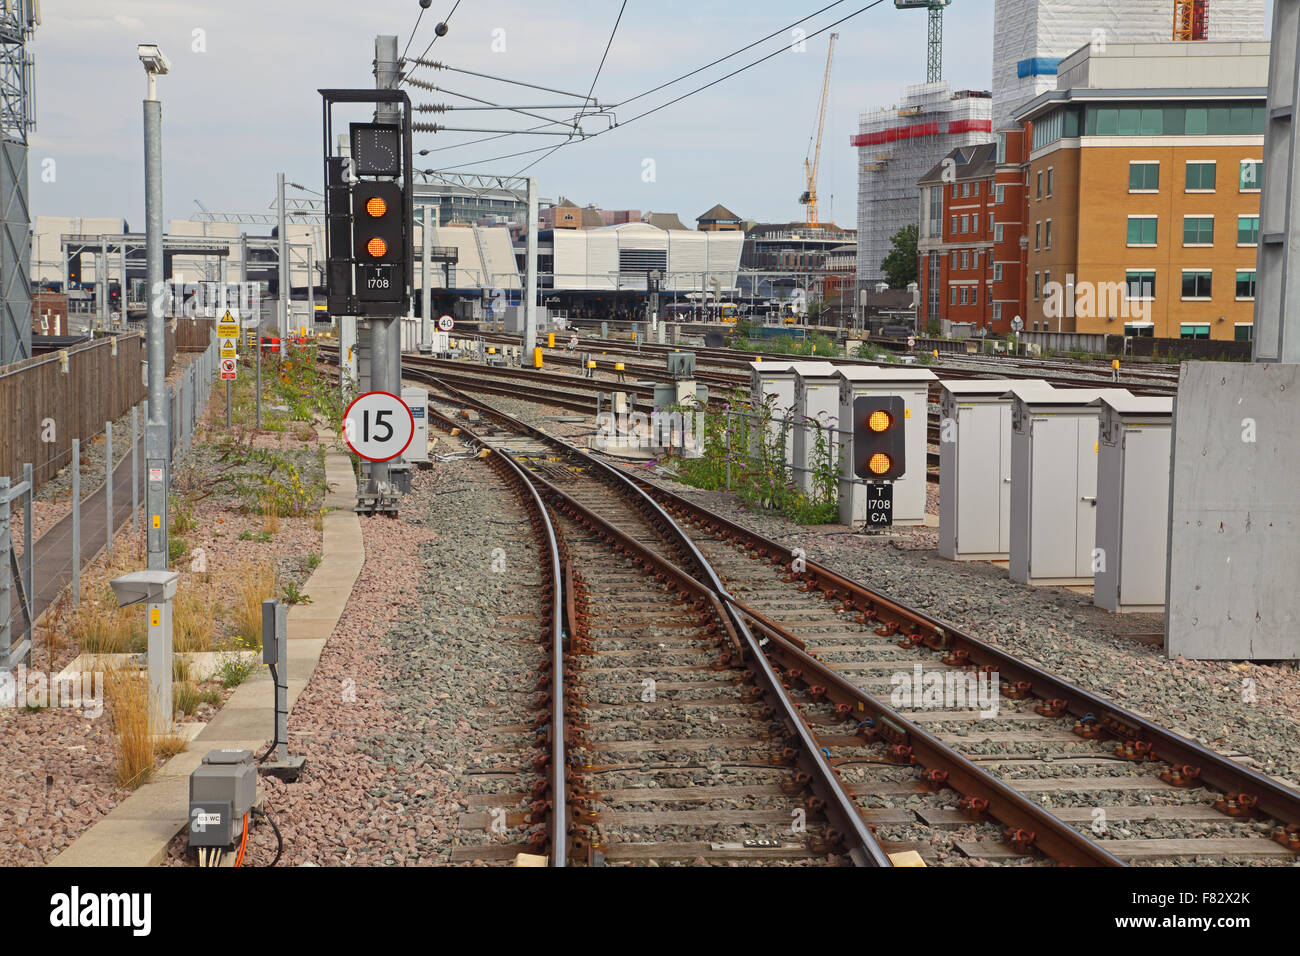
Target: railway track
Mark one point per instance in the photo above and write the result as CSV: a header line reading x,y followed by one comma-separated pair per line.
x,y
1049,772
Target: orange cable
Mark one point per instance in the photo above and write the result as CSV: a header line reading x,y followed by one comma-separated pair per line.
x,y
243,841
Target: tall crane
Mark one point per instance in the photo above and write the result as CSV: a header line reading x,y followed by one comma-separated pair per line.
x,y
1191,20
809,197
934,57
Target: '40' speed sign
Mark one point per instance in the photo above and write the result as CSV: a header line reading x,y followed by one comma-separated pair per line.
x,y
378,426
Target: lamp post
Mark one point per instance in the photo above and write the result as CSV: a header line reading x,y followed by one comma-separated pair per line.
x,y
155,433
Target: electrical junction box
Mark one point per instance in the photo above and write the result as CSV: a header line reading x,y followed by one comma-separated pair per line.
x,y
913,386
816,399
417,400
1054,449
1133,466
975,468
681,364
222,790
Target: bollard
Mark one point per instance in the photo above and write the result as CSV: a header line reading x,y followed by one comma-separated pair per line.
x,y
550,340
537,358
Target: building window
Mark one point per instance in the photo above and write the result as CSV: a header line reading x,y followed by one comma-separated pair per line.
x,y
997,272
1141,284
997,233
1037,285
1040,185
1252,175
1144,330
1245,284
952,295
1002,148
1143,177
997,311
990,222
954,191
1142,230
1047,280
1038,236
1192,330
965,258
965,296
1047,235
965,223
955,260
1243,332
1199,230
935,266
975,259
1051,178
1200,176
1196,284
1000,195
975,295
1248,230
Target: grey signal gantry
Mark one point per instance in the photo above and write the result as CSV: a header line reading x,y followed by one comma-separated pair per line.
x,y
975,468
913,386
816,408
1133,468
1054,447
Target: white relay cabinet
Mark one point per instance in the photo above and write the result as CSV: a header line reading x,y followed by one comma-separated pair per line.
x,y
1133,502
1054,449
816,399
975,468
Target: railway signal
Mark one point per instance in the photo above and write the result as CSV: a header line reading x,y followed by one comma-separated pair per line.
x,y
879,451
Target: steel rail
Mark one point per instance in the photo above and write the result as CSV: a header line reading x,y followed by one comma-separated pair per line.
x,y
861,845
918,628
557,637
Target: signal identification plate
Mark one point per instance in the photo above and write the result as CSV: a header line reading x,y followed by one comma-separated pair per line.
x,y
880,505
381,283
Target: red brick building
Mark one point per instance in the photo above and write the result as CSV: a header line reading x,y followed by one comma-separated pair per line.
x,y
955,241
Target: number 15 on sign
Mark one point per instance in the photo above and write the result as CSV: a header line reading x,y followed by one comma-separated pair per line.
x,y
378,426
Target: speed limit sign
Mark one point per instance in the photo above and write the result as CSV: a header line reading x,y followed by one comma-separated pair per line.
x,y
378,426
446,323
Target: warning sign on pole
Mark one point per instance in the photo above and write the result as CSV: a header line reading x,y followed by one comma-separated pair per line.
x,y
228,367
227,327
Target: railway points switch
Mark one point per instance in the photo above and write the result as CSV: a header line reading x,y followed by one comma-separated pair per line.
x,y
223,790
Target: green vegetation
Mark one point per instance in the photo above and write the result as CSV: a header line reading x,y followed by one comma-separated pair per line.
x,y
744,451
900,266
813,346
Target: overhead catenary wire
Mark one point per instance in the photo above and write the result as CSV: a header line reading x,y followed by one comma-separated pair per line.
x,y
640,95
671,102
444,23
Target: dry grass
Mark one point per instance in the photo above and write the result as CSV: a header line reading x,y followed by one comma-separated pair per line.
x,y
99,626
257,583
192,623
270,516
186,697
169,746
127,694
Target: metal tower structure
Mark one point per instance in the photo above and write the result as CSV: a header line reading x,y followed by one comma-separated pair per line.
x,y
934,44
18,21
1191,20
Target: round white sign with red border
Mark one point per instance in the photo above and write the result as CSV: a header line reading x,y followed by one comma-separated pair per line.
x,y
446,323
378,426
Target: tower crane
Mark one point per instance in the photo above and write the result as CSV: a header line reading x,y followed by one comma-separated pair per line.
x,y
934,57
809,197
1191,20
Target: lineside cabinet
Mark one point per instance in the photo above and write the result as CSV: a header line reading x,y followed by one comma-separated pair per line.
x,y
1133,467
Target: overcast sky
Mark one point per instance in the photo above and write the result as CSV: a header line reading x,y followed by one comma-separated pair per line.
x,y
241,104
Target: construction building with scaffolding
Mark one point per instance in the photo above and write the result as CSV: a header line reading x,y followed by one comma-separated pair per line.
x,y
896,147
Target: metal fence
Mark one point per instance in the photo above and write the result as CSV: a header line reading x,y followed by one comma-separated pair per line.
x,y
32,584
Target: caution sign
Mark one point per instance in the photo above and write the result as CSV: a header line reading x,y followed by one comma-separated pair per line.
x,y
229,347
228,367
228,327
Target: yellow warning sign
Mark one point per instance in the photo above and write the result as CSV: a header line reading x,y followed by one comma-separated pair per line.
x,y
228,326
155,617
